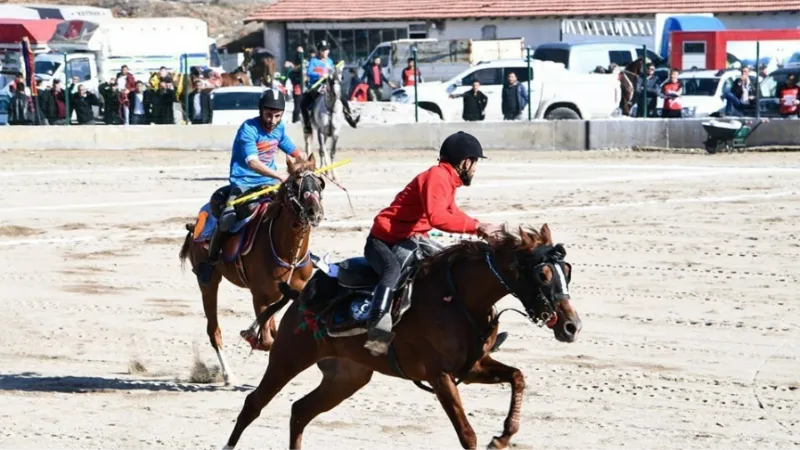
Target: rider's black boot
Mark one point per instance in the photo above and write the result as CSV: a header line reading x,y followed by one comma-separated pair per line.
x,y
380,333
348,115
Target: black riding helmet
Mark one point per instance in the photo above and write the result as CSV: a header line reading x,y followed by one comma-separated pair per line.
x,y
460,146
272,99
322,45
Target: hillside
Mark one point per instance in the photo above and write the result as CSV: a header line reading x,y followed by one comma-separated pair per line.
x,y
224,17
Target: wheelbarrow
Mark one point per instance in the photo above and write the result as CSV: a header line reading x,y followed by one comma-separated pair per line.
x,y
729,136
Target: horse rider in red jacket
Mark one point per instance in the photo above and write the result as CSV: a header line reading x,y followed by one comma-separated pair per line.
x,y
426,203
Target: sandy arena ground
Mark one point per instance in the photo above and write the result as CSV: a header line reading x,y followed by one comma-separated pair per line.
x,y
685,273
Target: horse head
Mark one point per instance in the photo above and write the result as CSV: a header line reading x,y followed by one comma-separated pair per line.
x,y
302,191
334,82
539,277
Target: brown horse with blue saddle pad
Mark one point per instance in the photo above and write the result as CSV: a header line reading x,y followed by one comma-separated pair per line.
x,y
268,246
444,319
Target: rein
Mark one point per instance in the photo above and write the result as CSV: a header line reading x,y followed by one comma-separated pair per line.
x,y
475,351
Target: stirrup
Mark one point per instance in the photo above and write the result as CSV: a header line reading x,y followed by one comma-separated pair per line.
x,y
378,341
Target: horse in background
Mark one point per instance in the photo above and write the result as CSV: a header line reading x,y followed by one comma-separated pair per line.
x,y
327,118
629,79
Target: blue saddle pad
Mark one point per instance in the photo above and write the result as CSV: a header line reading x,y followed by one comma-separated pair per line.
x,y
211,223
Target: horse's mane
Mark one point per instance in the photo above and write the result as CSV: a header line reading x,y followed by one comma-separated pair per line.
x,y
503,242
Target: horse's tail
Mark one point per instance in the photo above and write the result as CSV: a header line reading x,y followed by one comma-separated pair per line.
x,y
187,246
289,294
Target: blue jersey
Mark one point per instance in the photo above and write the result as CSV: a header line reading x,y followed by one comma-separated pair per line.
x,y
317,68
252,141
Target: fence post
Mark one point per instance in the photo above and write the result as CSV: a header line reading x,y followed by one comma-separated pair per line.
x,y
416,104
528,60
302,72
187,84
758,72
643,80
67,93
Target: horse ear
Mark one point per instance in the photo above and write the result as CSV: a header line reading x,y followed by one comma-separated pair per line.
x,y
313,161
291,165
545,233
524,237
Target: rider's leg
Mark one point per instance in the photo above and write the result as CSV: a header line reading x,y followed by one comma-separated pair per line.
x,y
225,222
348,113
383,261
305,109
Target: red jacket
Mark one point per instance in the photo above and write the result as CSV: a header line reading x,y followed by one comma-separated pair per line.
x,y
427,202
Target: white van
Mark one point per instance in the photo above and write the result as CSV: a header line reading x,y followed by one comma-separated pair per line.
x,y
584,58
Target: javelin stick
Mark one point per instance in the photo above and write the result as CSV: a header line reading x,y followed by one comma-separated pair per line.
x,y
277,186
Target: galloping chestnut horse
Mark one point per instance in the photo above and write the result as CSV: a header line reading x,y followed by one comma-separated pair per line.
x,y
445,333
279,247
628,79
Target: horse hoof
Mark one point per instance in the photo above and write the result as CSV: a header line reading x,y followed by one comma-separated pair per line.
x,y
231,380
496,444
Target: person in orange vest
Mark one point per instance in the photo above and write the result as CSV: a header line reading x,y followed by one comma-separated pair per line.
x,y
789,96
671,91
408,74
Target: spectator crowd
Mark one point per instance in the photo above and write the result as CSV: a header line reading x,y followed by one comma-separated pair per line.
x,y
121,100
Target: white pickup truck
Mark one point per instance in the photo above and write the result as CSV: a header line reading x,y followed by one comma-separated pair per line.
x,y
555,92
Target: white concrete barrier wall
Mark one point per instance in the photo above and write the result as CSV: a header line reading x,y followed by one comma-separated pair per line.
x,y
536,135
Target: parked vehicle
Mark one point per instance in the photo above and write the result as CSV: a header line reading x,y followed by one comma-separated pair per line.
x,y
584,58
439,60
234,104
95,51
556,93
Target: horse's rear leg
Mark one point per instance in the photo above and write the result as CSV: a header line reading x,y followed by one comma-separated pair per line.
x,y
323,152
210,293
290,355
340,380
489,371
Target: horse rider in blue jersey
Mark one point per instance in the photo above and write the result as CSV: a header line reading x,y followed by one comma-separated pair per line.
x,y
252,168
318,67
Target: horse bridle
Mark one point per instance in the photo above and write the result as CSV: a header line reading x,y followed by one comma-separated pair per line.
x,y
310,184
548,293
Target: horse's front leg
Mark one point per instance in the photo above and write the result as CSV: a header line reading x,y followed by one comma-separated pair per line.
x,y
489,371
334,140
446,391
323,154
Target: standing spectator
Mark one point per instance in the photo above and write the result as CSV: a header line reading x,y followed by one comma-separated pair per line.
x,y
648,83
59,98
163,99
19,107
410,74
46,105
83,102
139,104
104,90
375,78
73,87
762,72
789,96
474,103
126,80
199,105
296,79
743,90
515,98
671,91
112,101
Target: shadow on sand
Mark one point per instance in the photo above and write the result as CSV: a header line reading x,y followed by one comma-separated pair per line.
x,y
34,382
